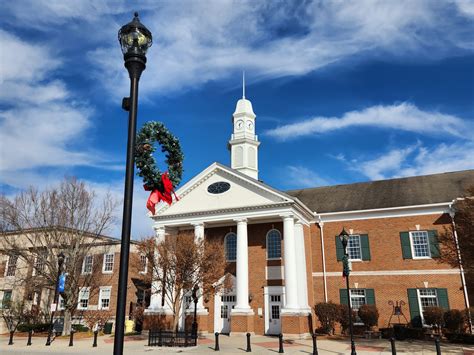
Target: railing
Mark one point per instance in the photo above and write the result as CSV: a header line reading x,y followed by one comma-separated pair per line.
x,y
168,338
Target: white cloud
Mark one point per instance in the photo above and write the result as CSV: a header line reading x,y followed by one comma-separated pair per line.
x,y
300,177
39,124
417,160
404,116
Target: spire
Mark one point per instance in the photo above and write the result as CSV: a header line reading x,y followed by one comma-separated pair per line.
x,y
243,84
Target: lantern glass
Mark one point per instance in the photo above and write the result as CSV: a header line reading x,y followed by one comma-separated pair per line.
x,y
135,38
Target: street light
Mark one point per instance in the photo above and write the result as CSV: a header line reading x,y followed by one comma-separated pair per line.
x,y
195,300
135,39
344,238
56,297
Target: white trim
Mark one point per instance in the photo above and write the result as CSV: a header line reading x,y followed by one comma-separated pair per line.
x,y
420,307
276,290
143,272
79,298
99,304
413,256
391,272
225,247
103,263
84,264
389,212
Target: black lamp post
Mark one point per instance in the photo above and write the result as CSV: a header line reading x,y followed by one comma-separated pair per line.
x,y
56,297
135,39
195,300
344,238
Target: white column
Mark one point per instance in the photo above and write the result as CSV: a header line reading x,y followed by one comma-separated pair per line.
x,y
291,283
242,281
198,237
301,267
156,296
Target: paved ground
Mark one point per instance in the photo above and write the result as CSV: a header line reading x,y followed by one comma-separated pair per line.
x,y
228,345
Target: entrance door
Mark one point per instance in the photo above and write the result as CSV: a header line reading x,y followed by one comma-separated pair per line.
x,y
274,321
227,304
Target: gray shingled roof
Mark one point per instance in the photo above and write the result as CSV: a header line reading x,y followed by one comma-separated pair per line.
x,y
410,191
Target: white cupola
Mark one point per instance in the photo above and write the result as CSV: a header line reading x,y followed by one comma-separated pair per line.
x,y
243,144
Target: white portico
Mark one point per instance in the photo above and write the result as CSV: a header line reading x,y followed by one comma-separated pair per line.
x,y
220,196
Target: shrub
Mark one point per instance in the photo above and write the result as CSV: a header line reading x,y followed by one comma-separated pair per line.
x,y
467,312
433,316
79,328
37,328
327,314
343,317
369,314
454,320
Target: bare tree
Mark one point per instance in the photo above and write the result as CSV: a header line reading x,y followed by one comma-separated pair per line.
x,y
464,225
36,226
179,263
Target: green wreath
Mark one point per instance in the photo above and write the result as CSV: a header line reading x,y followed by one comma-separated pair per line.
x,y
150,133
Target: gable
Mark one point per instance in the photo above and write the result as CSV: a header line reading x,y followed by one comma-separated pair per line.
x,y
243,192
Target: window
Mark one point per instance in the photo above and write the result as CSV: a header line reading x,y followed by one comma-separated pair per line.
x,y
218,187
357,298
87,264
354,248
11,265
104,297
141,297
230,242
62,304
6,299
39,264
143,264
273,244
420,244
428,298
83,300
108,263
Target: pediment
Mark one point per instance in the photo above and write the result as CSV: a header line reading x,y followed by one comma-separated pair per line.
x,y
244,192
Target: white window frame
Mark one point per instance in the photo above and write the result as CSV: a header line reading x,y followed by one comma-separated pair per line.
x,y
144,270
2,305
61,303
420,306
84,272
35,265
104,263
413,247
225,247
360,247
7,268
81,290
266,241
101,290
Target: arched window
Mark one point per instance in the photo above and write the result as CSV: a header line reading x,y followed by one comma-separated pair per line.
x,y
273,244
230,242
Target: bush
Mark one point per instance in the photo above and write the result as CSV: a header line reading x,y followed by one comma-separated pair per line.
x,y
434,316
79,328
468,311
343,317
327,314
460,338
369,314
454,321
37,328
403,333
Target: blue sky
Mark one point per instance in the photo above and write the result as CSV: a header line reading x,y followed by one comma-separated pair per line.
x,y
344,91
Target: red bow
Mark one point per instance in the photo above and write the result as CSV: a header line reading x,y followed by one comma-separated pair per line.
x,y
156,195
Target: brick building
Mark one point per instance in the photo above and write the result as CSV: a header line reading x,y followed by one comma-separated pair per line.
x,y
20,280
282,251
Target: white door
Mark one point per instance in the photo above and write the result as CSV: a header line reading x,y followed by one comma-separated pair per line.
x,y
227,304
274,321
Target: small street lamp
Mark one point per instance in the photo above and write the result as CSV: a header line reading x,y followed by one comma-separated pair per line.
x,y
195,300
56,297
135,39
344,238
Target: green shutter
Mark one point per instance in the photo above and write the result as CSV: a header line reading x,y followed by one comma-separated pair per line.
x,y
370,296
442,294
406,247
434,245
364,243
339,249
415,315
343,296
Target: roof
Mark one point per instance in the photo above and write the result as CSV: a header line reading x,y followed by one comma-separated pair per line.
x,y
409,191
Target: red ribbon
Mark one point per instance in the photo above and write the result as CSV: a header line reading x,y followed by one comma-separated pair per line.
x,y
156,195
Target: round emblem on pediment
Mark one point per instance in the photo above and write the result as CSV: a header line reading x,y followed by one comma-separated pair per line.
x,y
218,187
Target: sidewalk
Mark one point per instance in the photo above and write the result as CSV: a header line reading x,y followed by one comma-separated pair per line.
x,y
228,345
